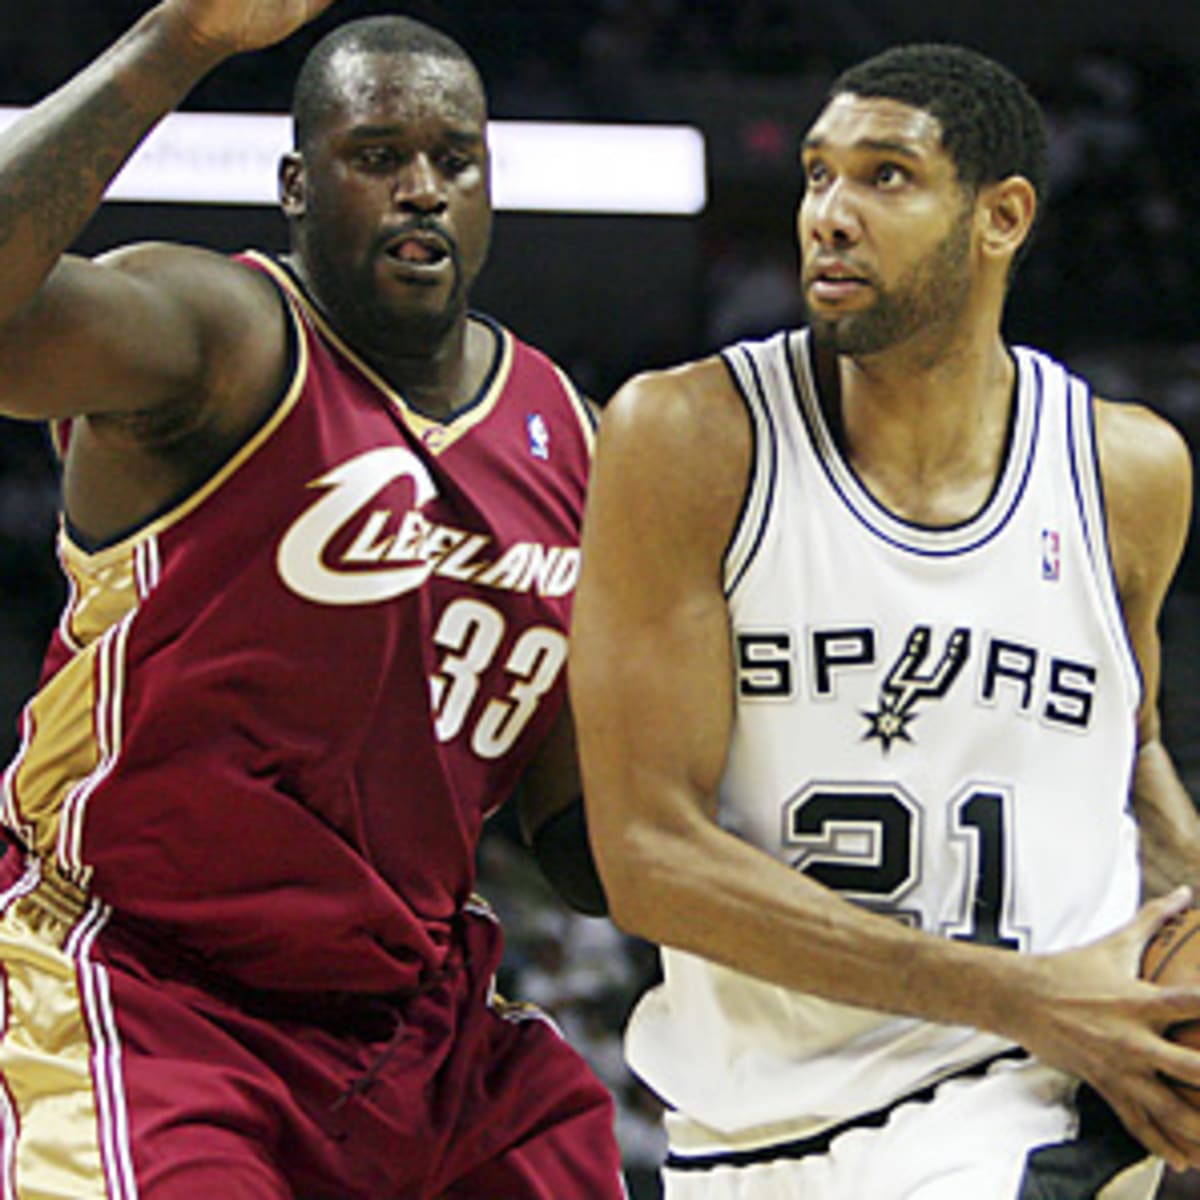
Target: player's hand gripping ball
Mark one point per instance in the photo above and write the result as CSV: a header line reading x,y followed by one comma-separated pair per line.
x,y
1172,956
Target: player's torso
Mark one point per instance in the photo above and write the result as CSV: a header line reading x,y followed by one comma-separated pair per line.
x,y
938,724
927,719
330,661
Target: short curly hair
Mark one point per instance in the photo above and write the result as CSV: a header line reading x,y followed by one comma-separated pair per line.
x,y
992,127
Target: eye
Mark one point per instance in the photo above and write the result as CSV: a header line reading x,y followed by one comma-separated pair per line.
x,y
816,174
890,175
375,158
455,162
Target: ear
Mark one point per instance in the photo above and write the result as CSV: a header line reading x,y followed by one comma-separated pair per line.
x,y
291,185
1006,212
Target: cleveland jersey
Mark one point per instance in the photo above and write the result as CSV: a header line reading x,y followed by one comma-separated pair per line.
x,y
937,723
272,721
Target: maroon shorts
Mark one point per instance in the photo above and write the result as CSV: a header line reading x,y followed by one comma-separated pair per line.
x,y
123,1079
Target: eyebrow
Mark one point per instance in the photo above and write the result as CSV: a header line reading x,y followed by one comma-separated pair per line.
x,y
463,137
873,145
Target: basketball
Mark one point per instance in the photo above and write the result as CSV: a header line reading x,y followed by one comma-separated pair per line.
x,y
1173,956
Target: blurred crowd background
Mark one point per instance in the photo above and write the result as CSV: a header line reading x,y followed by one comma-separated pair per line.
x,y
1112,287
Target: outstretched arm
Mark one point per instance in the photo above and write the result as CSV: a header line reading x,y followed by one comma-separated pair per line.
x,y
651,680
71,329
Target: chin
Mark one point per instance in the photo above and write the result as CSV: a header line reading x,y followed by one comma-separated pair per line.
x,y
418,326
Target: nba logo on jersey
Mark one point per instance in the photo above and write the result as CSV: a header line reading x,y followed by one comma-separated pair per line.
x,y
539,436
1050,562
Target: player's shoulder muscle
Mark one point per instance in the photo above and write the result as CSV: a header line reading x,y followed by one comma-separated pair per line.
x,y
1146,471
685,426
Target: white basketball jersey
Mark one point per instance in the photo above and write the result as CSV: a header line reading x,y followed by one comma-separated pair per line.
x,y
939,723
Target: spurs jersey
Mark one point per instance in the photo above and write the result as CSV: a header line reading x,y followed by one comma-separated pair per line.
x,y
938,723
272,720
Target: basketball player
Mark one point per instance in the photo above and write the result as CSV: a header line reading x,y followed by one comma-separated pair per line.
x,y
321,532
885,592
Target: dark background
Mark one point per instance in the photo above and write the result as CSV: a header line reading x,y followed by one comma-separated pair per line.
x,y
1112,286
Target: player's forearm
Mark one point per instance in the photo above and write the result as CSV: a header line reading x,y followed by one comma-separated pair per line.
x,y
701,890
56,163
1167,822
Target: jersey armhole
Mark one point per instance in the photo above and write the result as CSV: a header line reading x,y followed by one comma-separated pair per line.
x,y
1084,451
294,373
751,524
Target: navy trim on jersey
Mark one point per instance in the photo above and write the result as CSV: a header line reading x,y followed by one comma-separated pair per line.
x,y
826,452
1076,478
819,1143
489,380
1079,1168
358,361
1097,541
759,413
591,409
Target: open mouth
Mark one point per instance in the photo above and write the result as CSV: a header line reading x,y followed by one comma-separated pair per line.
x,y
836,272
835,282
419,251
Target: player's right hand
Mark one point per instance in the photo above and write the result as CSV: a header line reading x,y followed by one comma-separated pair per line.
x,y
228,27
1092,1017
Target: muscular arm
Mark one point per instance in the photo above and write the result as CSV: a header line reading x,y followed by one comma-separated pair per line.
x,y
651,680
118,335
169,355
1148,491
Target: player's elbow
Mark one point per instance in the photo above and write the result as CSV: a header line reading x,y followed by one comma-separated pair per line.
x,y
641,880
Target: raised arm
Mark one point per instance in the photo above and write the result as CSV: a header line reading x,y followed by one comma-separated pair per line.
x,y
1147,475
129,332
652,687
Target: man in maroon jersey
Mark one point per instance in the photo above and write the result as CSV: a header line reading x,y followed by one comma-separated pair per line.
x,y
321,534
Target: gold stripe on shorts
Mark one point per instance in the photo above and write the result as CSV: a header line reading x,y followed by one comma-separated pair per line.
x,y
62,1104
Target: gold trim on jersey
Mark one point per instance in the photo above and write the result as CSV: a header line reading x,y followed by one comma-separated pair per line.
x,y
65,1132
72,727
435,436
58,439
295,388
587,419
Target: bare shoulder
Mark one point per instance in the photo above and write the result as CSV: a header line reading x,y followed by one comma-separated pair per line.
x,y
685,429
150,327
1134,437
221,323
193,274
692,394
1144,459
1146,469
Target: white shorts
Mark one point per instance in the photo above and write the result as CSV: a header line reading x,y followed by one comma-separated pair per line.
x,y
1020,1131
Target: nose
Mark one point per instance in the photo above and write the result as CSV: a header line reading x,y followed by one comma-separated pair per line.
x,y
418,186
829,216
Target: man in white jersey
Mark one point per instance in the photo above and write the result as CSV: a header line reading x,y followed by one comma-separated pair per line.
x,y
865,669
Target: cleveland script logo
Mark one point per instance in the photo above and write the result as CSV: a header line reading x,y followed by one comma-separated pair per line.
x,y
355,545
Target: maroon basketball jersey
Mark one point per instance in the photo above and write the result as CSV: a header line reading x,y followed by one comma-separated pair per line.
x,y
272,721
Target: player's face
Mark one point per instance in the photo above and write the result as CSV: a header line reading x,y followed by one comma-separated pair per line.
x,y
397,213
885,226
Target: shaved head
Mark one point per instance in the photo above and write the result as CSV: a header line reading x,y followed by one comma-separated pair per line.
x,y
402,37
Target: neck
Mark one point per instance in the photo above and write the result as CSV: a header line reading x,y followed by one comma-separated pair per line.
x,y
436,365
436,379
926,432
